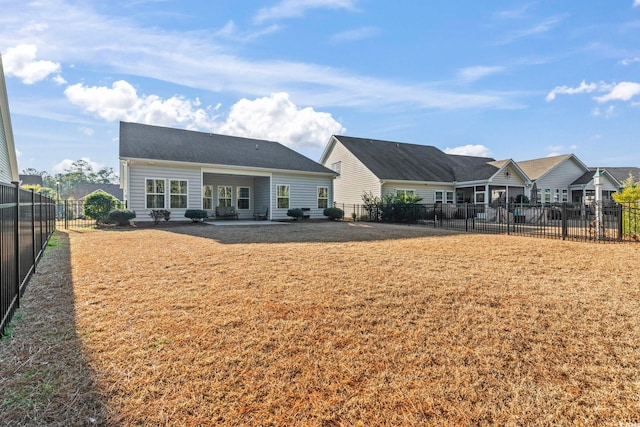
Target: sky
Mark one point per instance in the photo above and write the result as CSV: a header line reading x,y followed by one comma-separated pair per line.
x,y
504,79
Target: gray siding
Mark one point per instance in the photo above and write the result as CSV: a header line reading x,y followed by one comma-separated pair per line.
x,y
303,192
424,191
139,173
262,198
512,180
354,180
560,178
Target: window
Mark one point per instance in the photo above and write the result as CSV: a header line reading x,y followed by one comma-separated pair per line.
x,y
207,197
479,196
243,197
178,193
336,167
443,196
539,195
323,197
565,195
224,196
556,197
547,195
405,193
154,190
283,196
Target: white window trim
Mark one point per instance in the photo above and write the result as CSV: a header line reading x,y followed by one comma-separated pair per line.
x,y
243,198
288,195
230,194
164,196
445,198
405,191
318,198
168,184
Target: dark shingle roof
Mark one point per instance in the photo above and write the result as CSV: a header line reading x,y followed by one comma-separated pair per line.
x,y
622,173
31,179
412,162
82,190
161,143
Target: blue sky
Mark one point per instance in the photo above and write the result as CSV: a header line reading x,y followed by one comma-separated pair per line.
x,y
517,80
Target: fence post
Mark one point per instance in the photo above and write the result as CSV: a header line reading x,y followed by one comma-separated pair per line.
x,y
66,216
565,230
466,217
619,215
33,228
16,246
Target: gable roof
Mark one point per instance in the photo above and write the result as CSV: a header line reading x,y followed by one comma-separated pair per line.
x,y
138,141
82,190
31,180
537,168
8,157
400,161
622,173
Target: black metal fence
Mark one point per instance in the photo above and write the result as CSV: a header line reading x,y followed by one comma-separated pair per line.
x,y
70,213
604,222
27,220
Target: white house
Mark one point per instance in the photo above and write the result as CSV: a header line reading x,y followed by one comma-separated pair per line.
x,y
383,167
174,169
8,160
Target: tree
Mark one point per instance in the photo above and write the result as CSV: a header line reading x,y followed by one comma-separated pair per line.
x,y
630,191
33,171
98,205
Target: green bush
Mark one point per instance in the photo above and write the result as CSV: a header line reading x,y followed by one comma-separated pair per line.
x,y
195,215
97,205
295,213
333,213
521,198
121,216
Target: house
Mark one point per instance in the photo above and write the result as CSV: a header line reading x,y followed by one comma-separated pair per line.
x,y
386,167
583,188
31,180
552,177
175,169
8,159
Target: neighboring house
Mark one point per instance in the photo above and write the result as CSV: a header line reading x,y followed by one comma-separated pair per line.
x,y
82,190
174,169
552,176
386,167
31,180
8,160
583,188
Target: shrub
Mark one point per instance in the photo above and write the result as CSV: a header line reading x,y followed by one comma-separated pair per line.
x,y
522,198
296,213
158,214
195,215
98,205
333,213
121,216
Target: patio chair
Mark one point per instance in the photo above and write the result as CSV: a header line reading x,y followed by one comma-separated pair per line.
x,y
264,214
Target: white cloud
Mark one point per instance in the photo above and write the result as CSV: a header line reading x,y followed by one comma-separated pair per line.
x,y
20,61
629,61
565,90
66,164
297,8
543,27
607,113
87,131
121,102
623,91
636,3
471,74
469,150
355,34
277,118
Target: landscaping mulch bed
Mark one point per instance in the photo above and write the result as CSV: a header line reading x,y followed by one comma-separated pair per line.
x,y
330,323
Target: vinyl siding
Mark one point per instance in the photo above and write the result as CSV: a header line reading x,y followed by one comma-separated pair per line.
x,y
354,180
560,177
261,195
303,193
138,175
513,180
425,191
233,181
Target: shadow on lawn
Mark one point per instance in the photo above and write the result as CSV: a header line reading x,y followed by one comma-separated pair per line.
x,y
304,232
44,377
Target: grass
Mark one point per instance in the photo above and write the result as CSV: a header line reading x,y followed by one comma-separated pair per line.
x,y
332,324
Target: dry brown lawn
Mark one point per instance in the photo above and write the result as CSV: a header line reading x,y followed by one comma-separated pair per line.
x,y
325,324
